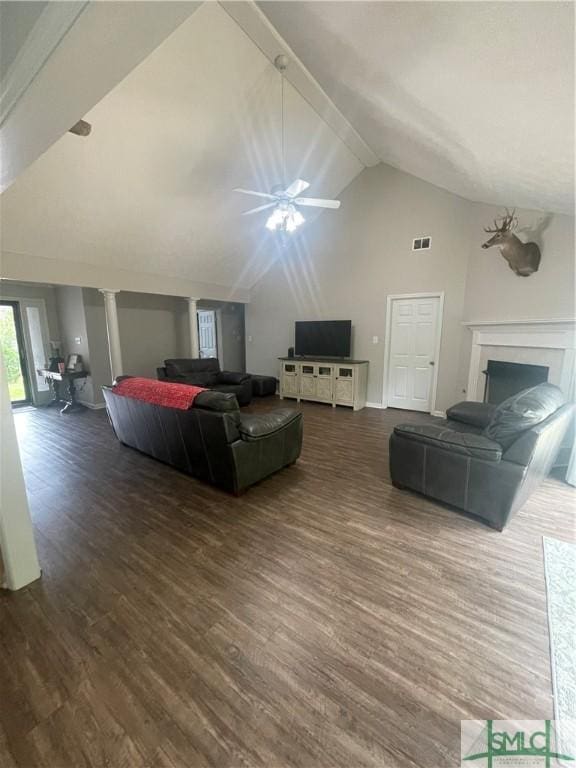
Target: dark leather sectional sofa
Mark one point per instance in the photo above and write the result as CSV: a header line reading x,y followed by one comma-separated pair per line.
x,y
206,373
212,440
483,459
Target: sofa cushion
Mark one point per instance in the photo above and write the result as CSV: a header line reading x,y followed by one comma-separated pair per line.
x,y
184,366
441,436
230,377
164,393
216,401
202,379
469,412
261,425
523,411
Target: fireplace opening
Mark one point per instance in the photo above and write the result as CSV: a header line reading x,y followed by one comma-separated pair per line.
x,y
506,379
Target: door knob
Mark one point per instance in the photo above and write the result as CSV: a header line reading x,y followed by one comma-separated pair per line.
x,y
431,362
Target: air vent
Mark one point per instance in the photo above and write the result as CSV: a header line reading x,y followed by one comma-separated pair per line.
x,y
421,243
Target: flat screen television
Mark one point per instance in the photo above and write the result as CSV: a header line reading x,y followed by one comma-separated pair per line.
x,y
323,338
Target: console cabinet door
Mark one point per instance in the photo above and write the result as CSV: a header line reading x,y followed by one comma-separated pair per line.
x,y
344,392
308,380
289,379
324,382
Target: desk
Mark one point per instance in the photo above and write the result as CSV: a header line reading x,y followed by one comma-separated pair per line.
x,y
68,379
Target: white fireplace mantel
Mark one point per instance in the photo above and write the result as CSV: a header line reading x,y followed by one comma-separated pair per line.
x,y
540,340
542,334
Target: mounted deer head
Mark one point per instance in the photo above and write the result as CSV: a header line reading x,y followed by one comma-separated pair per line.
x,y
522,258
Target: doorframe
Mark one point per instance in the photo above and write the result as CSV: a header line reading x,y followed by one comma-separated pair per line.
x,y
219,338
35,399
398,296
22,351
217,328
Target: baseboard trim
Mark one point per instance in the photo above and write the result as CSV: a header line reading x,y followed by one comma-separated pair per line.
x,y
92,406
442,414
376,405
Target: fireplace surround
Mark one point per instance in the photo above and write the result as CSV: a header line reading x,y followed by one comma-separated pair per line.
x,y
549,343
504,379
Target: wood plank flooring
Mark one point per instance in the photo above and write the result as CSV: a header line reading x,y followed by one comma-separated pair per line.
x,y
324,618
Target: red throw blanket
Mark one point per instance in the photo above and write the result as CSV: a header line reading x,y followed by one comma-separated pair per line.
x,y
165,393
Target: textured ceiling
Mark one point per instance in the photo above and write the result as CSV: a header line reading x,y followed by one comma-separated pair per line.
x,y
151,188
475,97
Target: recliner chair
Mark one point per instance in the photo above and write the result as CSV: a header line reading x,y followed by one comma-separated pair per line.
x,y
205,372
486,460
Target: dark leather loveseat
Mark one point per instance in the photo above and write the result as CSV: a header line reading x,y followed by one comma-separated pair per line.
x,y
483,459
205,372
212,440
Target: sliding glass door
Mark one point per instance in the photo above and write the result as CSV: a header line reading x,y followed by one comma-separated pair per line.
x,y
14,353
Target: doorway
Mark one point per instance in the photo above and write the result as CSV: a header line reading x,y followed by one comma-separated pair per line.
x,y
14,353
413,333
207,333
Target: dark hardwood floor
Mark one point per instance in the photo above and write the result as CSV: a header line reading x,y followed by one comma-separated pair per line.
x,y
322,619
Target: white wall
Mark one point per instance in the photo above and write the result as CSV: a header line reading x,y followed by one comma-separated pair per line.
x,y
151,330
494,292
74,335
349,262
98,341
17,546
15,290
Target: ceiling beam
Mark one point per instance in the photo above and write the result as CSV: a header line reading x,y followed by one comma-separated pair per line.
x,y
259,29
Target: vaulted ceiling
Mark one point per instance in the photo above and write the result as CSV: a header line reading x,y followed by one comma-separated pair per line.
x,y
475,97
151,188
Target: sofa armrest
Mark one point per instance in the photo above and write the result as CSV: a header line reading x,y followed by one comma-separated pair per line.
x,y
229,377
261,425
469,412
441,436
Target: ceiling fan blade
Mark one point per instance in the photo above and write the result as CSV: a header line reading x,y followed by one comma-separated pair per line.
x,y
316,202
296,188
260,208
258,194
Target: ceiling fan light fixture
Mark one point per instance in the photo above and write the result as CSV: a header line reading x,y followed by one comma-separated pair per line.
x,y
285,218
295,219
285,215
275,219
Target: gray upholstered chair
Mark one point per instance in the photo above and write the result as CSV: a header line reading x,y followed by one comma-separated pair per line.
x,y
483,459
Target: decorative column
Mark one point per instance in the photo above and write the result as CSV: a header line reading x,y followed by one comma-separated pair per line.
x,y
193,319
113,329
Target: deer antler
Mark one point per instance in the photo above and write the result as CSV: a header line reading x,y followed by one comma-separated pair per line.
x,y
510,221
507,222
496,228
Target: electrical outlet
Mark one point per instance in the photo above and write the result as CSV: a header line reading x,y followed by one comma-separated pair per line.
x,y
78,340
249,338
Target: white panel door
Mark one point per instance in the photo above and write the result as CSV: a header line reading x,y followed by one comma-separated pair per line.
x,y
207,333
413,334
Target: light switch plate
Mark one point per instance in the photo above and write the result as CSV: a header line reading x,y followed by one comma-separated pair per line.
x,y
375,339
78,340
249,338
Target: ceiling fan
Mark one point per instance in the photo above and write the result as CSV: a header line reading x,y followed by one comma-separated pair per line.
x,y
286,215
285,200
